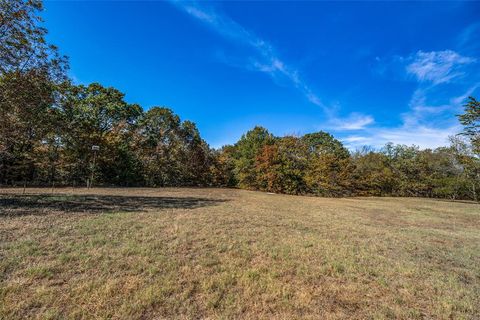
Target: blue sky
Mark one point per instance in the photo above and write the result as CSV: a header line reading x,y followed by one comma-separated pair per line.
x,y
367,72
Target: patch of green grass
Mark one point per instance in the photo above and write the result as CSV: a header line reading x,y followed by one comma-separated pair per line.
x,y
40,272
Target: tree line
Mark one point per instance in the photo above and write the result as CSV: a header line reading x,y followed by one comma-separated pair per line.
x,y
319,164
51,128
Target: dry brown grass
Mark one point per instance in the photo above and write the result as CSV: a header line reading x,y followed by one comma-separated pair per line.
x,y
219,253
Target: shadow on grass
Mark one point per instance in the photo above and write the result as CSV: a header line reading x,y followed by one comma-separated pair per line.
x,y
18,205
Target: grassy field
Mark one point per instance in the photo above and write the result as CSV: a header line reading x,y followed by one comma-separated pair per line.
x,y
220,253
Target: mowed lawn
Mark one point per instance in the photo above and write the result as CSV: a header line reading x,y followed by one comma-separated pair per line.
x,y
221,253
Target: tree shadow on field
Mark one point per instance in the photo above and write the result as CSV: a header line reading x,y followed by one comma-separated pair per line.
x,y
19,205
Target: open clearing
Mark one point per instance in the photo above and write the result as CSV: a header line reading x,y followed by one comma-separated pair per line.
x,y
221,253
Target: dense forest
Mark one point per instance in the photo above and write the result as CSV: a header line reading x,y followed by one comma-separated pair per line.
x,y
57,133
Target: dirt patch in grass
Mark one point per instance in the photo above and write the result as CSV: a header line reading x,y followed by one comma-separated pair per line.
x,y
222,253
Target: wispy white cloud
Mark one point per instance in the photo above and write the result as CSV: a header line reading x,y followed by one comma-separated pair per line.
x,y
434,71
437,66
354,140
426,124
419,109
460,100
421,136
266,59
468,39
354,121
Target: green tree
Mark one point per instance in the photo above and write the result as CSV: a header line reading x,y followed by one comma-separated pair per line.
x,y
195,157
468,163
223,167
25,121
22,40
158,147
470,119
329,168
246,151
281,166
96,115
373,175
29,70
324,143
